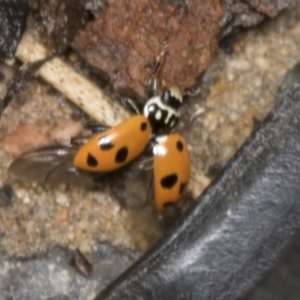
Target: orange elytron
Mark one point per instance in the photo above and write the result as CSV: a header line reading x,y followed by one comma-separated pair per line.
x,y
171,169
114,147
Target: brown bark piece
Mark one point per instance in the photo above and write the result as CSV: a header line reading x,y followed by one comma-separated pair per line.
x,y
124,42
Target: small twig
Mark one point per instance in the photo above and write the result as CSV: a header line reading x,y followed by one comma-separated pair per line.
x,y
74,86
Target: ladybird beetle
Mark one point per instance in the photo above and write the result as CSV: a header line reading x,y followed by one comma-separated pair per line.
x,y
119,145
171,169
115,147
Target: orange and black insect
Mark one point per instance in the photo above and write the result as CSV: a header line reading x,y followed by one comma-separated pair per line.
x,y
119,145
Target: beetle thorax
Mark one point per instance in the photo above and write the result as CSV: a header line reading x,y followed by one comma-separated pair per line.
x,y
163,110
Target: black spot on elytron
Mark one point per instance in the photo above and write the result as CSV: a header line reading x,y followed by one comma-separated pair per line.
x,y
169,204
182,186
169,181
143,126
105,143
91,161
179,146
121,155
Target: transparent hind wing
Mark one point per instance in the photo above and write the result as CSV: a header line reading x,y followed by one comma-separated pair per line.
x,y
50,165
128,185
67,174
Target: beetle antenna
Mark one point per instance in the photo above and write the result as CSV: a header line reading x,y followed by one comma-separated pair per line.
x,y
160,58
